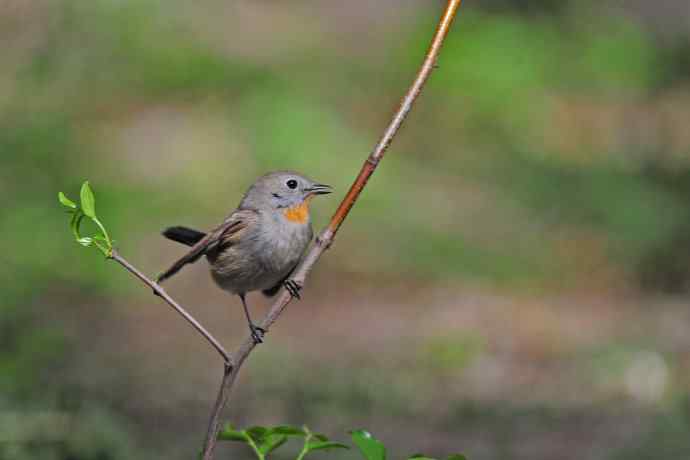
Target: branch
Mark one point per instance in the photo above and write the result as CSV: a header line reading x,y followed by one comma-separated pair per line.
x,y
325,238
158,290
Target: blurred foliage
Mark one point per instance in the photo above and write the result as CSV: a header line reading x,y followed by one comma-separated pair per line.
x,y
533,160
668,437
451,354
139,52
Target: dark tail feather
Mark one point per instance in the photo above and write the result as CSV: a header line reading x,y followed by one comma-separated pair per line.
x,y
183,235
187,236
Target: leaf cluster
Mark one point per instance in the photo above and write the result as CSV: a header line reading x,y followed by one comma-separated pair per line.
x,y
87,209
265,440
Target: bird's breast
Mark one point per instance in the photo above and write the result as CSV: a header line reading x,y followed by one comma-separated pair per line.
x,y
285,240
265,254
298,214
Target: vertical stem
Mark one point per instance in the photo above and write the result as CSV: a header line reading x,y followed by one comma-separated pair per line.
x,y
406,104
325,238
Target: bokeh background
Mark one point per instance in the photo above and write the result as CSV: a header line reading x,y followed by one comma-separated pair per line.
x,y
513,284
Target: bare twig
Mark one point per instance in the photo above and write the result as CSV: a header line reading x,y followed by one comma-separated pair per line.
x,y
158,290
325,238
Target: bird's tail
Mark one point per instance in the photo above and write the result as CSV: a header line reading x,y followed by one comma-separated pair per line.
x,y
184,235
189,237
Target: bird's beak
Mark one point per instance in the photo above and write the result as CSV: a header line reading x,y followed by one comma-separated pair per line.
x,y
319,189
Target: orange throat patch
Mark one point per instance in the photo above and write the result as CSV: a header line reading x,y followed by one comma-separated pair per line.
x,y
299,214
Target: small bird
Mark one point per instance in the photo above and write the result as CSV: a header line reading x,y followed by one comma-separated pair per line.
x,y
258,245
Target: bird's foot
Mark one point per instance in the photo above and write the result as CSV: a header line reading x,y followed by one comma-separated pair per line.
x,y
257,333
294,288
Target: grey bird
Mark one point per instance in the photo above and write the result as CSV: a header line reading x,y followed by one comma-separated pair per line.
x,y
258,245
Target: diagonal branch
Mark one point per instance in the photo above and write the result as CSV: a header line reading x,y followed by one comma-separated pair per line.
x,y
325,239
158,290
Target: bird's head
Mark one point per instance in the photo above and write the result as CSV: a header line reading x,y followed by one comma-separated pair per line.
x,y
287,192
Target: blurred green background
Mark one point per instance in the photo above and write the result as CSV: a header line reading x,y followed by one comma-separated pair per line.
x,y
513,284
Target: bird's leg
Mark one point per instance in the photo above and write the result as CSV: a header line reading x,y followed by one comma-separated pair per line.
x,y
293,287
256,331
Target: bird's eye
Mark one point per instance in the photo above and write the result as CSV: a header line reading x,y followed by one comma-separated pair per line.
x,y
292,183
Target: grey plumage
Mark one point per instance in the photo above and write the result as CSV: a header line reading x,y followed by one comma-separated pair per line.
x,y
259,244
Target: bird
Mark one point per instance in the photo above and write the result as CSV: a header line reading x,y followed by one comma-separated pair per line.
x,y
259,244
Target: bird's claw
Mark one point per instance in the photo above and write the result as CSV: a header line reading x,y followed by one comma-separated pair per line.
x,y
257,333
294,288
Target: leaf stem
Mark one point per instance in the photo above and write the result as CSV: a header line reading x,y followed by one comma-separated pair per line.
x,y
254,447
305,448
105,233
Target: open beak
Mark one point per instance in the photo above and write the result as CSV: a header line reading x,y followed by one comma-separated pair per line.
x,y
320,189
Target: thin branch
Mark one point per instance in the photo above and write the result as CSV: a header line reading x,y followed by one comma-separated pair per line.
x,y
158,290
325,238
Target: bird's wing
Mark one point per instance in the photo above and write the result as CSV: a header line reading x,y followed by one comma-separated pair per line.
x,y
224,234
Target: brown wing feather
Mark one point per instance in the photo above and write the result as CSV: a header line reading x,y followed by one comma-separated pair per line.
x,y
225,231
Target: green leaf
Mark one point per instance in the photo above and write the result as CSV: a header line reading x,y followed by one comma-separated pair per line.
x,y
287,430
88,200
85,241
456,457
230,434
420,457
322,445
370,447
320,437
75,222
257,433
271,443
66,201
227,436
100,240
